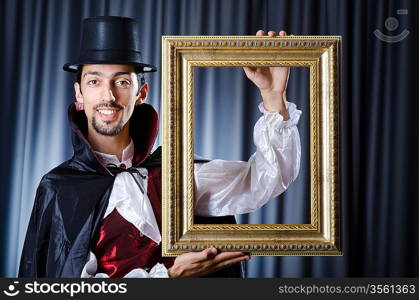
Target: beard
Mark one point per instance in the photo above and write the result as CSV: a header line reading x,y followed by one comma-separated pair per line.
x,y
103,129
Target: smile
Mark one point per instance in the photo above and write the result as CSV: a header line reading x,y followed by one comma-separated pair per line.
x,y
108,114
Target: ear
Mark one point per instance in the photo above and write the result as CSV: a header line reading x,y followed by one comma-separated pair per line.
x,y
143,93
77,92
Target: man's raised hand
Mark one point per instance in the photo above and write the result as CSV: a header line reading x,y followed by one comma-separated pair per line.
x,y
271,81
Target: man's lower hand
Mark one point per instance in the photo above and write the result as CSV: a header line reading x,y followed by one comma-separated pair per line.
x,y
196,264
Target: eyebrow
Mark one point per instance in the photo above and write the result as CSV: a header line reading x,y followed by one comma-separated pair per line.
x,y
100,74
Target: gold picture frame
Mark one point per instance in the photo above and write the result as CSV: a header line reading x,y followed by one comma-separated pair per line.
x,y
180,55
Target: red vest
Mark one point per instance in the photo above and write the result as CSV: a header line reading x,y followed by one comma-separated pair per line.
x,y
121,248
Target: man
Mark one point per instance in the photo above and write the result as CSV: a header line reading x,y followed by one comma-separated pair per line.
x,y
99,213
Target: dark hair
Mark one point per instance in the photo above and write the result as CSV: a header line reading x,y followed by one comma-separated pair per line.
x,y
140,77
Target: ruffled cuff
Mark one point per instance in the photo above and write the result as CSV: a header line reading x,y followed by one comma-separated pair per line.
x,y
276,120
90,268
158,271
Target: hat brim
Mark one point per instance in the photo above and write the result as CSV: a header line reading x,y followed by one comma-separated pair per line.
x,y
139,67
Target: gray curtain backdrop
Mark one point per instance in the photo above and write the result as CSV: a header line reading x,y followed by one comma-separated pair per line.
x,y
379,138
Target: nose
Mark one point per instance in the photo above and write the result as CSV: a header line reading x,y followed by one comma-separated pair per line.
x,y
108,95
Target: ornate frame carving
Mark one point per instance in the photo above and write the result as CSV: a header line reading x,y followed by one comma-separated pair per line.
x,y
180,55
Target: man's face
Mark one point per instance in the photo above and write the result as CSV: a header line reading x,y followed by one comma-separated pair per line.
x,y
109,94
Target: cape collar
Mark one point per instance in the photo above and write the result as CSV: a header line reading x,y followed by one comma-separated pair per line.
x,y
143,132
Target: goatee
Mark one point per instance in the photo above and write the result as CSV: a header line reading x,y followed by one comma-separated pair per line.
x,y
106,131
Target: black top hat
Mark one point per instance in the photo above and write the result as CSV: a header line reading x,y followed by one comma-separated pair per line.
x,y
110,40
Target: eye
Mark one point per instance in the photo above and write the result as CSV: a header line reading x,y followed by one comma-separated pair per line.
x,y
123,83
92,82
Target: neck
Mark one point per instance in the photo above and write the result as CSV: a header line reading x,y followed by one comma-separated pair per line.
x,y
110,144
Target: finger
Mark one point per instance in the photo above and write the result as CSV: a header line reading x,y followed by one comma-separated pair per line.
x,y
260,32
230,262
224,256
272,33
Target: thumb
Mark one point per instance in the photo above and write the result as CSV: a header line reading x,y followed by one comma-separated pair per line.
x,y
249,71
206,254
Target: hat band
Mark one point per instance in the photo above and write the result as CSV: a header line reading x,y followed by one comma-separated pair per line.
x,y
110,56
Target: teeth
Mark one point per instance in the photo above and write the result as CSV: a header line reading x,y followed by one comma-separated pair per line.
x,y
106,112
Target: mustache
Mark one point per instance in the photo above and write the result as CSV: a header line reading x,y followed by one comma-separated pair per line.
x,y
109,105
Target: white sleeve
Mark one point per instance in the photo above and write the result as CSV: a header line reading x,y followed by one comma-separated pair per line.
x,y
237,187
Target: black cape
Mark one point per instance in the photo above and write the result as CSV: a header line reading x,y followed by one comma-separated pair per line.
x,y
72,198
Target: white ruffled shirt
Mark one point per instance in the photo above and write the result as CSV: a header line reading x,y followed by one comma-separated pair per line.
x,y
222,187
